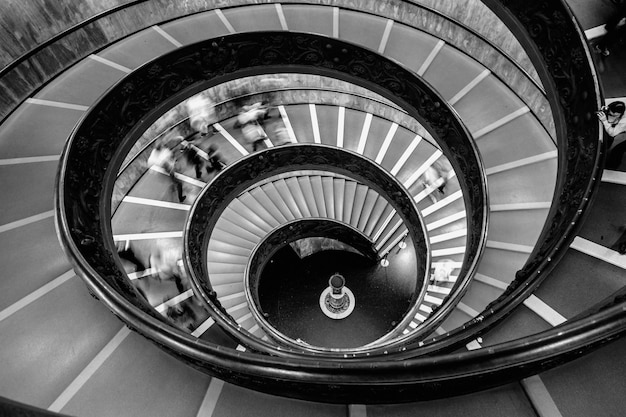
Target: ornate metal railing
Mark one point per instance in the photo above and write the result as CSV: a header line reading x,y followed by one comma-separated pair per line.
x,y
135,163
99,145
247,171
556,46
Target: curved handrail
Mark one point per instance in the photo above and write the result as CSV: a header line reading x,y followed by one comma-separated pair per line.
x,y
43,45
122,7
561,63
574,94
279,237
107,142
228,185
235,98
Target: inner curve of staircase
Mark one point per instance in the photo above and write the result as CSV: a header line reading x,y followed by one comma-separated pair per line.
x,y
516,150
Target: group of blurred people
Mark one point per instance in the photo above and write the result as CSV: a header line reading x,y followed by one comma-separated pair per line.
x,y
171,155
176,153
250,120
165,268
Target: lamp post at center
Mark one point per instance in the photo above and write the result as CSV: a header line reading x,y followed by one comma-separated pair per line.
x,y
337,301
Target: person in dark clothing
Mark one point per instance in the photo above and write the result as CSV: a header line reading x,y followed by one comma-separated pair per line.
x,y
126,253
190,152
612,31
215,162
163,157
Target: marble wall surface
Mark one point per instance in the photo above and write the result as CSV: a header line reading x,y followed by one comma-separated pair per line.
x,y
28,23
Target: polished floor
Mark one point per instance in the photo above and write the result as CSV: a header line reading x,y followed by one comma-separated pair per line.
x,y
290,289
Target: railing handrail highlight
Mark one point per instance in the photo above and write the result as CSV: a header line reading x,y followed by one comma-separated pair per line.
x,y
564,65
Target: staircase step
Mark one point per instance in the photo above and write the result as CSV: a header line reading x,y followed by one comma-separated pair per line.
x,y
318,193
222,268
257,331
223,290
238,310
220,236
391,225
385,218
375,215
219,279
392,239
368,206
232,300
358,203
249,214
348,201
309,195
234,218
249,201
329,196
264,200
288,198
226,258
296,191
235,229
225,247
276,198
339,185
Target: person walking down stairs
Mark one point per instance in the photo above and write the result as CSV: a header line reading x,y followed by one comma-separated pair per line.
x,y
163,156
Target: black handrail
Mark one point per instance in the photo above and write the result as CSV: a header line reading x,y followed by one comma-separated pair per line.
x,y
213,200
26,55
574,95
97,148
230,100
40,47
560,63
286,234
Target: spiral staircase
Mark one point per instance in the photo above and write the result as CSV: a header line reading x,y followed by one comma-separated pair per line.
x,y
486,338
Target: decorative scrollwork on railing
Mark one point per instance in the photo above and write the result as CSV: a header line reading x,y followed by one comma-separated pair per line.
x,y
98,146
557,48
574,92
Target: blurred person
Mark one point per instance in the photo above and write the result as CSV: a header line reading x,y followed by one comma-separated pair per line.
x,y
215,162
442,271
254,134
282,135
201,112
251,113
434,178
129,260
167,261
183,316
192,156
163,156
